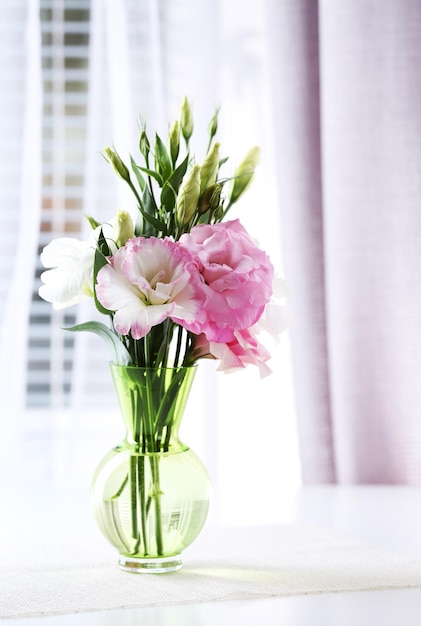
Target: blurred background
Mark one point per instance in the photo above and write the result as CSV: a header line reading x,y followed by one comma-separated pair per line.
x,y
331,92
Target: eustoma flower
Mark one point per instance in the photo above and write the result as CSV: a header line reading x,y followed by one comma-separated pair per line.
x,y
147,281
70,278
242,350
237,279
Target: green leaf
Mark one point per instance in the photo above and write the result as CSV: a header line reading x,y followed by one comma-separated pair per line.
x,y
149,210
102,245
152,174
100,260
92,222
122,355
136,170
153,221
172,185
163,161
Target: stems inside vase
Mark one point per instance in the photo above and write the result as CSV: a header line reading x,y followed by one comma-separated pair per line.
x,y
152,402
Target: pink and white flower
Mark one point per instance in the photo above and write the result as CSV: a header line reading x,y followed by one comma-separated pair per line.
x,y
237,278
147,281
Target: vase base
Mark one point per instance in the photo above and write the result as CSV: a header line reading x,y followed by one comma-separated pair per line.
x,y
150,565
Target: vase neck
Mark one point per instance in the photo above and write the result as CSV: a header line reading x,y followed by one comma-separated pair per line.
x,y
152,403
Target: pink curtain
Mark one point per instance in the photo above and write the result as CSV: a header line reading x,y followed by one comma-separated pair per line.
x,y
347,114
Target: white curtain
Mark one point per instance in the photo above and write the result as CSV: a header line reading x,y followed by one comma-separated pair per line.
x,y
20,172
348,125
144,56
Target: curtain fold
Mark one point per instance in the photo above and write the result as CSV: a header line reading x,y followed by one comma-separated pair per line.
x,y
20,185
294,40
353,243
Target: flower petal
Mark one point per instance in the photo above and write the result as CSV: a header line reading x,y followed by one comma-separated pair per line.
x,y
70,279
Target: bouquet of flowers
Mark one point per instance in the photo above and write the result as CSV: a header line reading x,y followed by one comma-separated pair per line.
x,y
179,282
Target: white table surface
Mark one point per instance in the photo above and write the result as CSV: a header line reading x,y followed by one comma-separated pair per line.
x,y
384,516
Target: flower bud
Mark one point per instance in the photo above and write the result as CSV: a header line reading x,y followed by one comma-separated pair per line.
x,y
123,229
243,175
117,164
210,167
186,120
144,145
218,214
213,125
174,141
210,199
188,196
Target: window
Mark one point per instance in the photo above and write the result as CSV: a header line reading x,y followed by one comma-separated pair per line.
x,y
65,67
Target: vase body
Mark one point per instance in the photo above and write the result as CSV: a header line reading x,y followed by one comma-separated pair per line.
x,y
150,494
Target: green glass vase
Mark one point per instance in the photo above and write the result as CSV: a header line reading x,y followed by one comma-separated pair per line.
x,y
150,494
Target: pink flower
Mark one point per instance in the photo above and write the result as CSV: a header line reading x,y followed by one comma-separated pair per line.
x,y
237,278
147,281
244,349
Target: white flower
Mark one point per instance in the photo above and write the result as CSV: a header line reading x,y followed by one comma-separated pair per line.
x,y
70,279
72,262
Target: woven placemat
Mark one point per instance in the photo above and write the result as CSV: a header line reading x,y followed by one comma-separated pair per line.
x,y
223,564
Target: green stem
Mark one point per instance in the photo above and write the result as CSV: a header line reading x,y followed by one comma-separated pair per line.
x,y
154,462
134,503
178,348
137,479
157,501
188,351
150,185
167,439
142,492
149,424
229,205
120,489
